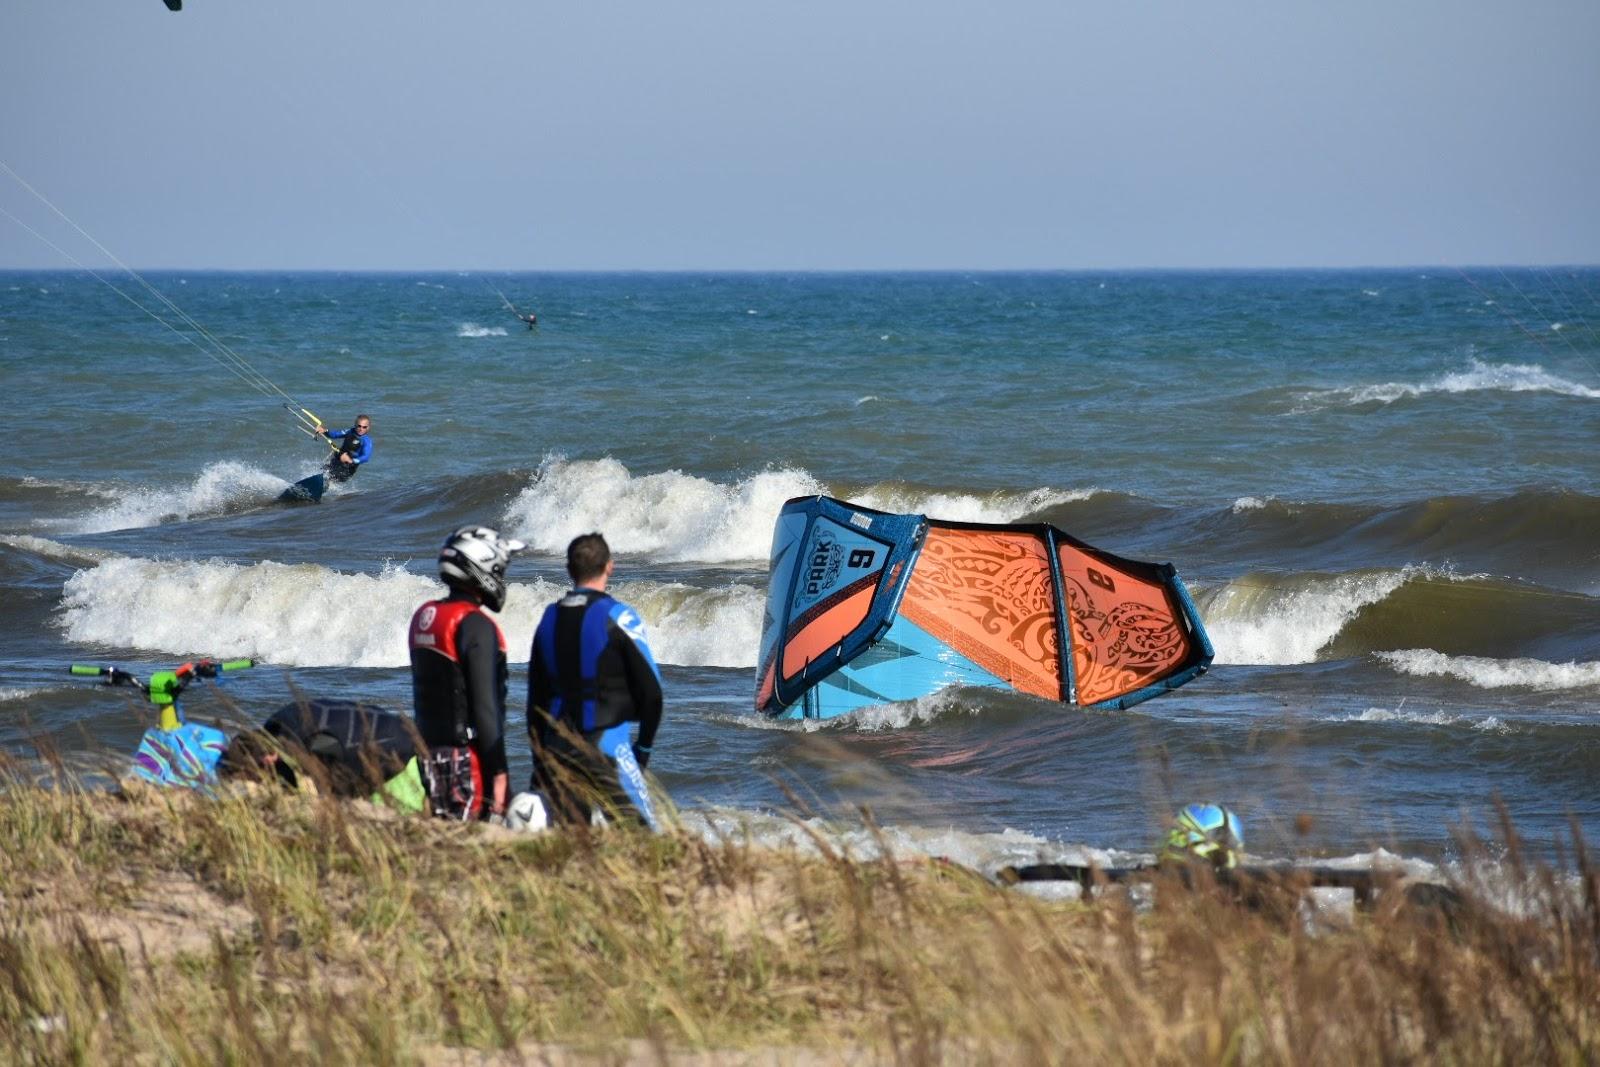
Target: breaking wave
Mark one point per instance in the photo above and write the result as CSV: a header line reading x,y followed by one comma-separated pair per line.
x,y
1486,673
676,517
1479,377
220,488
1302,618
44,548
1269,619
299,615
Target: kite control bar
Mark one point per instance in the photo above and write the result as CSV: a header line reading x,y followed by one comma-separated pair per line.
x,y
308,423
164,686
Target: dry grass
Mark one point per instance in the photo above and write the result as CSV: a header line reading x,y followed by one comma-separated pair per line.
x,y
161,927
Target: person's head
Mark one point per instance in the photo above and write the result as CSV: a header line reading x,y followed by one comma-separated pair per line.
x,y
588,559
363,423
473,563
1207,832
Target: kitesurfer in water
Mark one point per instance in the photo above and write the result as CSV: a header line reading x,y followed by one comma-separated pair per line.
x,y
350,749
590,676
355,448
531,318
458,677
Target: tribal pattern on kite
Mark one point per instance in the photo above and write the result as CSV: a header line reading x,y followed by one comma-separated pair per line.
x,y
866,607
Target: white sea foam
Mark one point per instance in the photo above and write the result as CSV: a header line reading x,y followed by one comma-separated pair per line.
x,y
1479,377
1488,673
1289,622
102,491
867,400
7,694
969,507
218,488
669,516
472,329
299,615
1249,503
700,627
672,516
878,717
1491,724
41,546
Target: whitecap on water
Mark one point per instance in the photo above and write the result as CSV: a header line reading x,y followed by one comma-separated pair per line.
x,y
1487,673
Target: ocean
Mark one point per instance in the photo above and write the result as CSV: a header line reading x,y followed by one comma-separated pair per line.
x,y
1380,486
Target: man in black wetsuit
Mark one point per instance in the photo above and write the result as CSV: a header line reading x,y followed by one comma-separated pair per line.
x,y
354,449
590,675
531,318
458,677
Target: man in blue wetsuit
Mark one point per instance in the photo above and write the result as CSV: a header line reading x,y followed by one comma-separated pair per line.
x,y
355,448
590,675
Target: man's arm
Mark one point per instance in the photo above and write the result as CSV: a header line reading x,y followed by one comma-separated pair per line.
x,y
644,679
363,450
541,686
478,649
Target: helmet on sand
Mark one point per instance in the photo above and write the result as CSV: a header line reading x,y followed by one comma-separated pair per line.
x,y
473,560
1205,831
527,812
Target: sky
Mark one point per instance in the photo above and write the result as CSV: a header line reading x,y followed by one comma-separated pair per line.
x,y
826,135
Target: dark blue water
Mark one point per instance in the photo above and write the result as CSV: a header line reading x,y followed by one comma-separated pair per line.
x,y
1380,485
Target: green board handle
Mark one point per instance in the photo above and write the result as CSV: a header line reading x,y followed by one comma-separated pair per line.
x,y
83,668
236,664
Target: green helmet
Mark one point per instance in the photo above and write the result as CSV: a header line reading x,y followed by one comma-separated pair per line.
x,y
1205,831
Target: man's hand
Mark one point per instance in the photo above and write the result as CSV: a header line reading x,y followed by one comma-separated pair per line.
x,y
320,429
344,457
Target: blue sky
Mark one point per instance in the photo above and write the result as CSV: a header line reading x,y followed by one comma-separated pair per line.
x,y
491,134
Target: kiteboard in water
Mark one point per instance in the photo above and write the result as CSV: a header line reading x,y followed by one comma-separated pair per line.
x,y
866,607
307,490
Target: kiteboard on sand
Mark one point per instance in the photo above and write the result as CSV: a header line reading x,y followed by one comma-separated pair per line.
x,y
1253,885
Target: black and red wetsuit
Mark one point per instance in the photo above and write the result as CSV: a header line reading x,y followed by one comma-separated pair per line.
x,y
458,680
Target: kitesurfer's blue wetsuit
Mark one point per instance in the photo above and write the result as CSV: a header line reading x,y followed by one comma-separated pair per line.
x,y
591,674
353,441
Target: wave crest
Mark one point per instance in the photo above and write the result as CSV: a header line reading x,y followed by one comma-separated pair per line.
x,y
1487,673
219,488
676,517
298,615
1479,377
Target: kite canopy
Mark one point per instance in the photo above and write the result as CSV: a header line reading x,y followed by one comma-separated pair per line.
x,y
865,607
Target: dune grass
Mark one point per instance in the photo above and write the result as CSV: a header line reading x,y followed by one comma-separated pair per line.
x,y
163,927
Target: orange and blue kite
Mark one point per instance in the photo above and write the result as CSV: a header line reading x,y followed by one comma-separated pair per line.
x,y
866,607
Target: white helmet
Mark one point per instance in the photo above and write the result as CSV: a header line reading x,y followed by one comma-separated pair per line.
x,y
474,560
527,812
